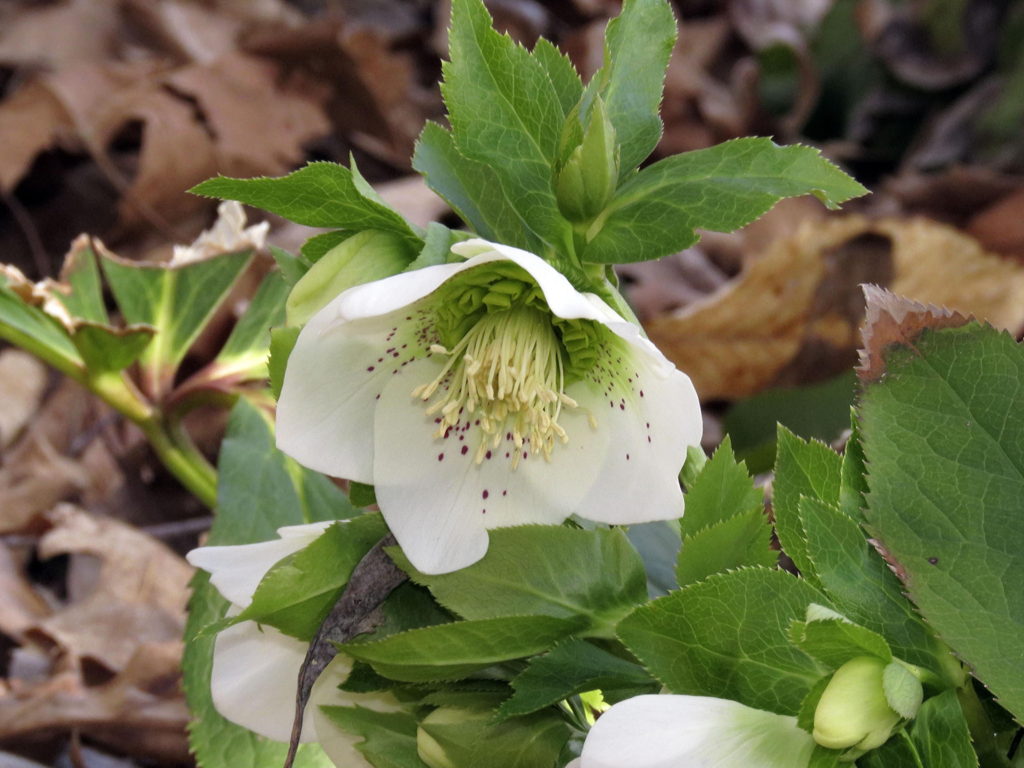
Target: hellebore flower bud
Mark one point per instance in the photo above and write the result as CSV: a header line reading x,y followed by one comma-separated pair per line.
x,y
585,184
854,710
437,737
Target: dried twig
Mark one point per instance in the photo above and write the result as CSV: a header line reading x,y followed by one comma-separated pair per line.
x,y
371,582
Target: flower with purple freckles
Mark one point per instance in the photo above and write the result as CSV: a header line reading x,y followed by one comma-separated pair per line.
x,y
487,393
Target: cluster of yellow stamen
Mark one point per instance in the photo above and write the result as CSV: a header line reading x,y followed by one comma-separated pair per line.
x,y
507,373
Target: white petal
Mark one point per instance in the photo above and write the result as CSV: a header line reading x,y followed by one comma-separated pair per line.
x,y
626,469
664,731
399,291
436,500
334,377
255,678
237,570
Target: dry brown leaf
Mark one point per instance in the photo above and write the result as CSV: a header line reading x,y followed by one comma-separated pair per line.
x,y
139,712
740,339
20,605
378,102
22,380
31,121
136,597
57,34
176,151
937,264
792,315
192,31
46,465
231,92
1000,226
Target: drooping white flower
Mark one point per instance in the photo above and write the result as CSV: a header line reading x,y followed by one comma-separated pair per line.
x,y
256,668
668,731
483,394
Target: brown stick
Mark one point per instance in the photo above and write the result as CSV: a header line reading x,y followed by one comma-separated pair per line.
x,y
373,579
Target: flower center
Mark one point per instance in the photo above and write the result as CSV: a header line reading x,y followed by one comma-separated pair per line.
x,y
507,373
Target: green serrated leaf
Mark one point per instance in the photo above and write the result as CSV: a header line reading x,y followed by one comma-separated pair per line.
x,y
297,593
540,569
572,667
637,47
658,545
505,113
834,642
656,212
467,738
802,468
863,587
561,72
741,540
727,637
903,691
852,482
453,651
940,733
825,758
389,738
895,753
942,436
256,496
805,717
472,189
319,195
721,490
177,301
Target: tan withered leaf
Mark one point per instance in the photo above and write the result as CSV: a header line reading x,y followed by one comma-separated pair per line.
x,y
138,712
896,320
792,315
56,458
741,338
31,121
136,598
20,605
235,88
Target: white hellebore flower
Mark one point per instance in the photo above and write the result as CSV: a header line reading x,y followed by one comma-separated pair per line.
x,y
256,668
483,394
667,731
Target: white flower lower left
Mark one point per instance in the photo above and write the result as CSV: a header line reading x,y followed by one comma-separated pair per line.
x,y
256,668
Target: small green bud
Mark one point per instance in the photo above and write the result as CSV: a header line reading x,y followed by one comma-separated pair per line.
x,y
433,736
366,256
853,710
587,180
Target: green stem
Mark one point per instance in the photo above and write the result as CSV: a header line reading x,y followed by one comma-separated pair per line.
x,y
180,455
982,733
912,747
170,442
